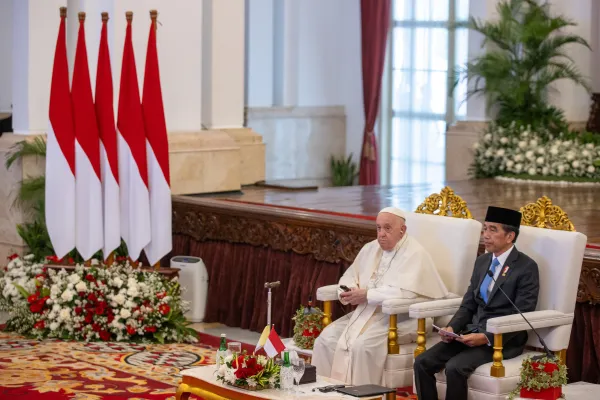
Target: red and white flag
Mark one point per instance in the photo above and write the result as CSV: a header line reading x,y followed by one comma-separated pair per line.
x,y
109,155
88,187
133,167
273,345
158,155
60,153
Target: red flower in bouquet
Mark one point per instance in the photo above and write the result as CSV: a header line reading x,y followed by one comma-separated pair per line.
x,y
32,298
37,307
90,278
150,329
39,325
104,335
12,256
164,309
252,367
130,330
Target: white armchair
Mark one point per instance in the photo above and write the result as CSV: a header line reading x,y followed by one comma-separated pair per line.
x,y
452,244
559,255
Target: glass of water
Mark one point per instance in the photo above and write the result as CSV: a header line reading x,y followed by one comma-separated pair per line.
x,y
298,368
235,349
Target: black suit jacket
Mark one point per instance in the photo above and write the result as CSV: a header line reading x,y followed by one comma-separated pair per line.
x,y
519,278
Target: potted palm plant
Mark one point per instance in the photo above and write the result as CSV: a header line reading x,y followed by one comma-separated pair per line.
x,y
344,171
526,53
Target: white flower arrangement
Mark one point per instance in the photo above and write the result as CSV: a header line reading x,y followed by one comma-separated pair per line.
x,y
93,303
519,151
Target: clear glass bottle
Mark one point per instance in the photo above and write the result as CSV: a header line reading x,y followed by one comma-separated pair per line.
x,y
287,373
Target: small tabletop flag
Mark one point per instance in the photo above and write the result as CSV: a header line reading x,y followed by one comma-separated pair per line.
x,y
273,345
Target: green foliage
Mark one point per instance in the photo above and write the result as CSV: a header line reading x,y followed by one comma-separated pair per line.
x,y
526,55
24,148
536,379
308,324
344,171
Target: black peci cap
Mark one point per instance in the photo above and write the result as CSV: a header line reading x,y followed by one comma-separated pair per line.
x,y
504,216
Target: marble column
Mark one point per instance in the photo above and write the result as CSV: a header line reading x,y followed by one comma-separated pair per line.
x,y
6,46
223,46
571,98
223,86
35,26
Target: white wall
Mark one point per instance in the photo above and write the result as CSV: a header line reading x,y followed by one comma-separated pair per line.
x,y
330,68
6,35
307,53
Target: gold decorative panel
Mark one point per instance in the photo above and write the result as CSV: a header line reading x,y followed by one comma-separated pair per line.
x,y
543,214
446,203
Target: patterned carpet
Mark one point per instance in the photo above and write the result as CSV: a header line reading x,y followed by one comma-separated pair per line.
x,y
56,370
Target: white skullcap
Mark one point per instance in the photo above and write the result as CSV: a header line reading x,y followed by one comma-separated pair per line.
x,y
395,211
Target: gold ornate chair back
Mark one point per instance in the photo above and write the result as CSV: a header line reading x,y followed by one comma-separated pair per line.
x,y
543,214
446,203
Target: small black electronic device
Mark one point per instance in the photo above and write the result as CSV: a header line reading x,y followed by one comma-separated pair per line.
x,y
345,288
330,388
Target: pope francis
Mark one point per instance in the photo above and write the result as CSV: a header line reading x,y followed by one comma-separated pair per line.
x,y
395,266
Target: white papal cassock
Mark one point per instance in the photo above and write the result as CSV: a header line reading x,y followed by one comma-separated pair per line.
x,y
353,348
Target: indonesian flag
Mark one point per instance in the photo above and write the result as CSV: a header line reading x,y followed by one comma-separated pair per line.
x,y
158,155
109,165
133,167
88,188
60,153
273,345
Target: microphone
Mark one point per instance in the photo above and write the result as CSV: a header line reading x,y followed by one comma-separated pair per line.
x,y
549,354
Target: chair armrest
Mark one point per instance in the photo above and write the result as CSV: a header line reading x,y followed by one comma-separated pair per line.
x,y
400,306
538,319
327,293
435,308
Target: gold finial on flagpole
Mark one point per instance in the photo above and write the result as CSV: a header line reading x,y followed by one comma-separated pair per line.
x,y
129,15
104,16
63,12
153,17
81,15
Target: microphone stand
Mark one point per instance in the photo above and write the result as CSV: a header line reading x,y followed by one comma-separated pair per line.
x,y
549,354
270,285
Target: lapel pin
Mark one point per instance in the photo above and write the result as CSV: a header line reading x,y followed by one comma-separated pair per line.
x,y
505,270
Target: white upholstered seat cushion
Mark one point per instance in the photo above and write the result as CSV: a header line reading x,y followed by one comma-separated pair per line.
x,y
483,385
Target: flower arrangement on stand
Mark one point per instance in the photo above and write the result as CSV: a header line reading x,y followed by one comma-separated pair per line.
x,y
250,372
108,303
308,326
521,153
541,379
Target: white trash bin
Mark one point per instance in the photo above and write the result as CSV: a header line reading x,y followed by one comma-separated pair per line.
x,y
193,276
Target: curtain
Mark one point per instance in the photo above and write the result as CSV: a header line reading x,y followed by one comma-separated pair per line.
x,y
583,355
375,21
237,274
